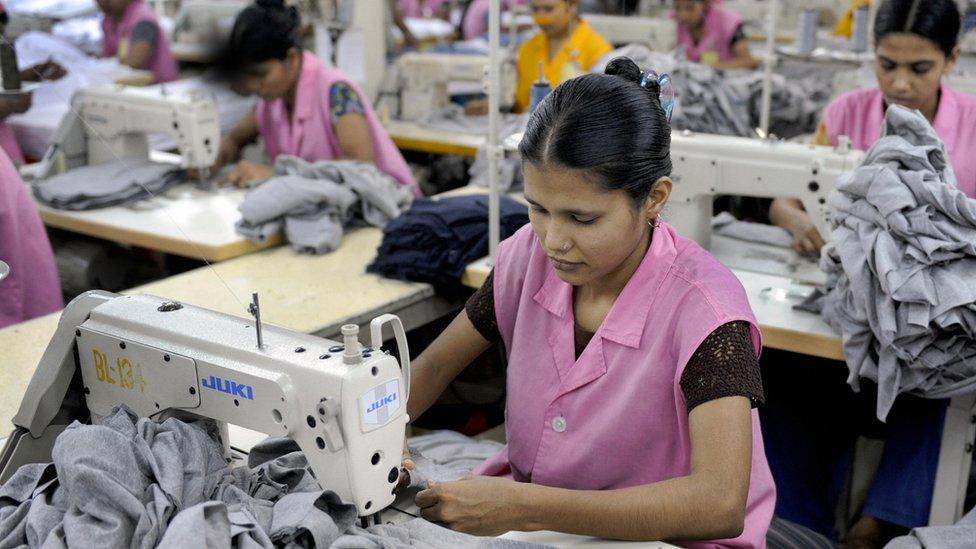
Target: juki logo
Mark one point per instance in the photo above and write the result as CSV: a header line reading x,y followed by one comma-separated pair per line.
x,y
230,387
388,399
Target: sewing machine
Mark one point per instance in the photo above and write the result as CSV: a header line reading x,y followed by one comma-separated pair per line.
x,y
707,165
658,34
425,81
112,122
343,404
202,26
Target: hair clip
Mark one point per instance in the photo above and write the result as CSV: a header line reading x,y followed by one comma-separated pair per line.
x,y
666,94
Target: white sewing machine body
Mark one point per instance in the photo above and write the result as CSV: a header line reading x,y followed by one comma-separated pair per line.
x,y
344,406
113,122
658,34
425,78
707,165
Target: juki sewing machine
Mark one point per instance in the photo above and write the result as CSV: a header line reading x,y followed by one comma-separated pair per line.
x,y
658,34
345,405
425,80
112,122
706,165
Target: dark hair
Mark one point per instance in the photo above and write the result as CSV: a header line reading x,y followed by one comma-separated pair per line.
x,y
935,20
606,125
265,30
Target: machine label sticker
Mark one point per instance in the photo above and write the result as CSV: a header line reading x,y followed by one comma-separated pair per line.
x,y
229,387
381,403
121,373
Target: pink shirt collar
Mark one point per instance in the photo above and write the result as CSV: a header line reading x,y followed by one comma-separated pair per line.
x,y
627,318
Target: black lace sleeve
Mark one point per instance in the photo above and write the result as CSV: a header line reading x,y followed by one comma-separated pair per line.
x,y
481,310
725,364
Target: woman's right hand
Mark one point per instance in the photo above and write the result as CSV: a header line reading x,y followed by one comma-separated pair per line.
x,y
228,152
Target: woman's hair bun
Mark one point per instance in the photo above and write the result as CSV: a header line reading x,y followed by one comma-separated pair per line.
x,y
626,68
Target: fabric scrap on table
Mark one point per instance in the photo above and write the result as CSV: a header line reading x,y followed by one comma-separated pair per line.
x,y
961,535
901,265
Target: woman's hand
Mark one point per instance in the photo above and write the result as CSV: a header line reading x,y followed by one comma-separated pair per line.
x,y
806,238
477,505
246,173
406,465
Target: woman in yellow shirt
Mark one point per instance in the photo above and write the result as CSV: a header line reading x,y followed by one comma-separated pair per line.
x,y
566,47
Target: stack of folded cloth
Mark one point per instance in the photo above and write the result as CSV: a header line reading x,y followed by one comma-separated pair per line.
x,y
108,184
435,240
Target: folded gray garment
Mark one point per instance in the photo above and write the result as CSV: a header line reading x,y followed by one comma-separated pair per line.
x,y
961,535
133,482
728,102
108,184
901,265
726,224
312,202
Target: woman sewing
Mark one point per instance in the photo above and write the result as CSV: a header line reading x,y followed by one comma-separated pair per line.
x,y
133,34
31,289
712,35
916,47
632,369
305,107
11,104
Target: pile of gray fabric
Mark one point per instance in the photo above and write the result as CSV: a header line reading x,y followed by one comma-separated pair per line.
x,y
109,184
312,202
721,102
133,482
901,266
961,535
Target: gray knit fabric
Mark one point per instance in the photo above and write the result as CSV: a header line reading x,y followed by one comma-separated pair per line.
x,y
312,202
901,267
133,482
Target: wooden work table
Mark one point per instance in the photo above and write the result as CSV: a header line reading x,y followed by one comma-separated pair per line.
x,y
410,136
183,221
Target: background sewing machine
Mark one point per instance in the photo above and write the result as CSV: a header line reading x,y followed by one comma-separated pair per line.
x,y
202,26
113,122
658,34
706,166
426,82
343,404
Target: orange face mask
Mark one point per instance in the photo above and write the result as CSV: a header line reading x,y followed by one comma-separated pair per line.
x,y
543,20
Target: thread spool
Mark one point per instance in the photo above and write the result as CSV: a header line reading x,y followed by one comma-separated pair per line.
x,y
859,40
807,33
540,89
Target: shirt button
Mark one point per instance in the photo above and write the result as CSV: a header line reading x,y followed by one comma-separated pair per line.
x,y
559,424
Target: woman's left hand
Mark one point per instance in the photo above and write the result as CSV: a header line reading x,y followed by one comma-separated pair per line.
x,y
477,505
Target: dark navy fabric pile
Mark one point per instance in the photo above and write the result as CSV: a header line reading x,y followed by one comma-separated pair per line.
x,y
435,240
